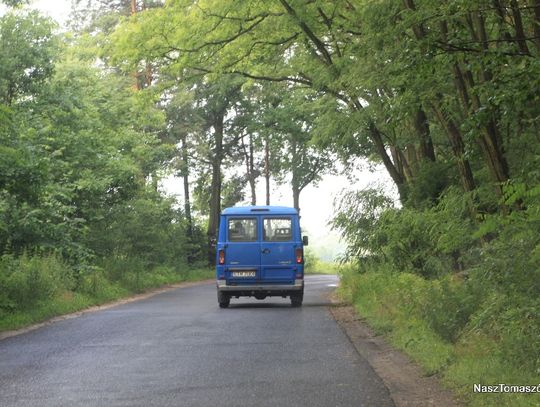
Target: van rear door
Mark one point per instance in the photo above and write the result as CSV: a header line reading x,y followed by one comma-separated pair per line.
x,y
242,250
278,262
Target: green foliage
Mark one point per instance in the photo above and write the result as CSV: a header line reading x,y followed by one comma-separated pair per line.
x,y
27,280
356,218
449,306
456,292
430,182
25,67
233,191
145,227
314,265
429,242
393,305
459,295
81,218
311,261
467,331
14,3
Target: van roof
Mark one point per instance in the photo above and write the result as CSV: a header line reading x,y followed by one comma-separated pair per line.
x,y
253,210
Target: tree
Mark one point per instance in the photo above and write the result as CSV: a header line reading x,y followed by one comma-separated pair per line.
x,y
25,66
200,119
287,120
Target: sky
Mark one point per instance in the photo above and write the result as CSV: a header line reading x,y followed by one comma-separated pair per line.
x,y
57,9
316,202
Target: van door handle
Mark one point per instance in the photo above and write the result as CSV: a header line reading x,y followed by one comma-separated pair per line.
x,y
266,251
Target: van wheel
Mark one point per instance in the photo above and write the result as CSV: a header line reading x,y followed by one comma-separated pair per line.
x,y
223,300
296,300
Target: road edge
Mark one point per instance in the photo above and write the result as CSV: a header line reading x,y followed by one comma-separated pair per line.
x,y
95,308
406,383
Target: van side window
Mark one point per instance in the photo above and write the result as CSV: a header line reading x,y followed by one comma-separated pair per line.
x,y
277,229
242,230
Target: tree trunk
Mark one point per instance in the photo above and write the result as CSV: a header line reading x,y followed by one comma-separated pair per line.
x,y
252,180
267,169
500,10
535,4
295,182
520,32
149,75
451,129
250,170
426,150
490,142
135,75
215,194
458,147
296,197
397,177
409,162
396,159
187,200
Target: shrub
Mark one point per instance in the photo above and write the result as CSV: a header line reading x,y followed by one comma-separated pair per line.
x,y
311,260
26,280
449,305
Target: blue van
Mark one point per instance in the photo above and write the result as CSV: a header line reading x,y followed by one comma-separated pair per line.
x,y
260,253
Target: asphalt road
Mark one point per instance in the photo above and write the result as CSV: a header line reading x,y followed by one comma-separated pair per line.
x,y
179,349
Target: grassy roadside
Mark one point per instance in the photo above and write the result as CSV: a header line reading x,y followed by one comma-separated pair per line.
x,y
321,267
95,288
419,317
314,265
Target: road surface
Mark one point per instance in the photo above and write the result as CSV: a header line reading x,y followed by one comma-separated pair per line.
x,y
179,349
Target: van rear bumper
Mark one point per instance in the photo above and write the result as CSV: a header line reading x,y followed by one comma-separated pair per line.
x,y
268,289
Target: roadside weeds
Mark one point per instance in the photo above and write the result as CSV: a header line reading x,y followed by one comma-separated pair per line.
x,y
407,384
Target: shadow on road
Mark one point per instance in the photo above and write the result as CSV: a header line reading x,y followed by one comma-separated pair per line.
x,y
276,305
261,305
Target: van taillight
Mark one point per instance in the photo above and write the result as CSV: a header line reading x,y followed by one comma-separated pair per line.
x,y
222,256
299,256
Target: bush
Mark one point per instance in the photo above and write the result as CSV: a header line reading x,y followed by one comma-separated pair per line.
x,y
311,260
450,304
430,242
26,280
146,228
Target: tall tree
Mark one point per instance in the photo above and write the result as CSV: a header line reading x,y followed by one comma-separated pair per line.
x,y
287,120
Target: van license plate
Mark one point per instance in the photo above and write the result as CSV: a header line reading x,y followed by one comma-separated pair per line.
x,y
243,274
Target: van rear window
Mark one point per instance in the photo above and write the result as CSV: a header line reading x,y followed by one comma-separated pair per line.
x,y
242,229
277,229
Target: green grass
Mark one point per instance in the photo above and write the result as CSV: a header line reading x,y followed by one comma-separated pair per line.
x,y
407,309
322,267
64,304
479,361
96,290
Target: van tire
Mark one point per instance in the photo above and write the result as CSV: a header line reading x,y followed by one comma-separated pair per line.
x,y
296,300
223,300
